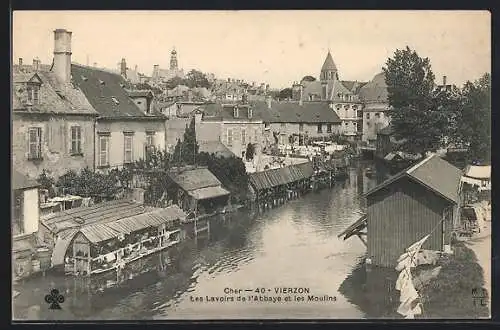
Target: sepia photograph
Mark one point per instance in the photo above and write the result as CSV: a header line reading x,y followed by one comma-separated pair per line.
x,y
250,165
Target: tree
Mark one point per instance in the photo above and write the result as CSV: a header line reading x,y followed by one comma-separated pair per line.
x,y
186,150
47,182
416,116
285,94
473,118
195,78
250,151
175,81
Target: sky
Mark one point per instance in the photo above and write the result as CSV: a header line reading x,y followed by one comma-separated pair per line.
x,y
275,47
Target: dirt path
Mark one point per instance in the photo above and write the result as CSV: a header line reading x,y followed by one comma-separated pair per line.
x,y
481,246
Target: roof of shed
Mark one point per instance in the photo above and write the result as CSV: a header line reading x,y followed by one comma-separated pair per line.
x,y
100,232
433,172
192,179
102,212
21,181
280,176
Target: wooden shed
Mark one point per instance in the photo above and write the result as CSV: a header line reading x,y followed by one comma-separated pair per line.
x,y
423,199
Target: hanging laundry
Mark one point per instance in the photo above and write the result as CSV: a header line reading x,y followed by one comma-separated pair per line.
x,y
403,277
408,291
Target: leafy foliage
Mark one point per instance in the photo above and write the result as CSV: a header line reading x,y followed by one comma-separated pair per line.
x,y
46,182
186,150
250,152
230,171
417,117
88,183
196,78
472,121
285,94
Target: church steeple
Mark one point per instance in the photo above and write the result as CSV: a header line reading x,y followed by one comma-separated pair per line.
x,y
329,69
173,60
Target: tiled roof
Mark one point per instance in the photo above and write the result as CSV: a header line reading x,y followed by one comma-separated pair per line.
x,y
375,90
353,86
140,93
215,147
338,89
20,181
54,97
280,112
107,94
192,179
329,64
434,173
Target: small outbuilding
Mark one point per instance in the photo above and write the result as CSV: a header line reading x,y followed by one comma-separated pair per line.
x,y
423,199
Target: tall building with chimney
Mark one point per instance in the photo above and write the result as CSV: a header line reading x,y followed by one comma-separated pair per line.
x,y
52,120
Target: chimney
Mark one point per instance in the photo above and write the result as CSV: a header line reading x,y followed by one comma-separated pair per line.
x,y
268,101
444,80
20,61
36,64
123,68
62,55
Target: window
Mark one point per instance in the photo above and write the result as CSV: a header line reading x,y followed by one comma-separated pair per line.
x,y
127,148
235,112
377,115
33,94
301,127
257,133
230,137
243,136
329,128
359,113
150,138
18,214
103,151
266,125
283,125
367,116
35,143
320,128
76,140
250,112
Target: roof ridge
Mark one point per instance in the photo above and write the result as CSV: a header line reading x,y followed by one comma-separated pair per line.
x,y
422,162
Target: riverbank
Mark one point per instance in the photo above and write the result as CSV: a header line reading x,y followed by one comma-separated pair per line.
x,y
456,291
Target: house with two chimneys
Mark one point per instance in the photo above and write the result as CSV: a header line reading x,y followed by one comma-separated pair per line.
x,y
71,116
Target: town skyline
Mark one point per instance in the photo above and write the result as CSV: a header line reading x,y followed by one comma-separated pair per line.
x,y
253,45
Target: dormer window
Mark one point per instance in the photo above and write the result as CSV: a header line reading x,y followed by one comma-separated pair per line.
x,y
115,100
235,112
84,78
101,82
33,96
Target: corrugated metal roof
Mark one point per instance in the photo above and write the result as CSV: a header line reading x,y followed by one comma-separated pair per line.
x,y
208,192
281,176
99,232
107,211
194,179
434,173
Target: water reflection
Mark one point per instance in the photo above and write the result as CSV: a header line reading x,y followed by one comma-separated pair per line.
x,y
294,244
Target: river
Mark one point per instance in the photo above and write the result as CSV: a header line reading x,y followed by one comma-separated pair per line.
x,y
294,245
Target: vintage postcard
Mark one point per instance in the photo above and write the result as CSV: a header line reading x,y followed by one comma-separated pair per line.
x,y
207,165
